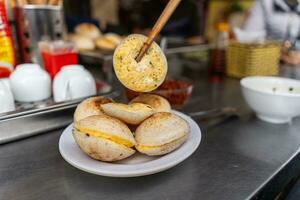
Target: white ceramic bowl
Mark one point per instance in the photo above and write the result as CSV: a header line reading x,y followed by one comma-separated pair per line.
x,y
29,83
274,99
73,82
6,97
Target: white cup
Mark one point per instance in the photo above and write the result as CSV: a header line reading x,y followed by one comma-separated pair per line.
x,y
7,103
29,83
73,82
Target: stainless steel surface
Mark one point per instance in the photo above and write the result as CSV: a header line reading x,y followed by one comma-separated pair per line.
x,y
23,109
28,122
214,112
240,158
187,49
163,44
43,22
96,56
33,124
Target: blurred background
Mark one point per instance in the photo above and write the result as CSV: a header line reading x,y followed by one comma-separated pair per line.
x,y
204,39
128,16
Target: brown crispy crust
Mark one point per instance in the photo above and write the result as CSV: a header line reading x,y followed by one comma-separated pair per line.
x,y
90,106
133,117
160,129
158,103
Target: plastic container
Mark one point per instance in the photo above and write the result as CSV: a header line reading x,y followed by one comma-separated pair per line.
x,y
57,54
177,92
7,52
217,66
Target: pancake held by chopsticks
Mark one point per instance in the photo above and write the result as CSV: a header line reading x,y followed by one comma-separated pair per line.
x,y
143,76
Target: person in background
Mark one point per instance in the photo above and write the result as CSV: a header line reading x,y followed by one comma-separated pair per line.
x,y
184,23
281,21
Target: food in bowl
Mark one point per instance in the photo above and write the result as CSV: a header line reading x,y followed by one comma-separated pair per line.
x,y
143,76
161,134
273,99
177,92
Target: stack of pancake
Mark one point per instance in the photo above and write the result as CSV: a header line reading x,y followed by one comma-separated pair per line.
x,y
110,131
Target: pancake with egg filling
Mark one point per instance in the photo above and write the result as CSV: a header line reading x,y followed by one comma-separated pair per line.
x,y
161,133
143,76
133,113
158,103
104,138
89,107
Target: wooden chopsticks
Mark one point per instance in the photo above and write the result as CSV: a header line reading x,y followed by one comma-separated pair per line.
x,y
160,23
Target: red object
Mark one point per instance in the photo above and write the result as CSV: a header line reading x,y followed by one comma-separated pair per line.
x,y
22,35
216,71
177,92
7,51
53,62
4,72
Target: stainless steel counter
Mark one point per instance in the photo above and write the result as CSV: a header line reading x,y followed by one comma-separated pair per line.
x,y
239,158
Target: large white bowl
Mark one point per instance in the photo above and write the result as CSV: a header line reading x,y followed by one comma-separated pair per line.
x,y
274,99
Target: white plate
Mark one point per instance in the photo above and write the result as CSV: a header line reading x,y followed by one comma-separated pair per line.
x,y
136,165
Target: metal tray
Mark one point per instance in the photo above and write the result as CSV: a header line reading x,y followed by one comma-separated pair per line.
x,y
34,118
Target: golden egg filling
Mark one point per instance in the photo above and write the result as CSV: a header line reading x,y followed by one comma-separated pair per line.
x,y
134,107
103,135
143,76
